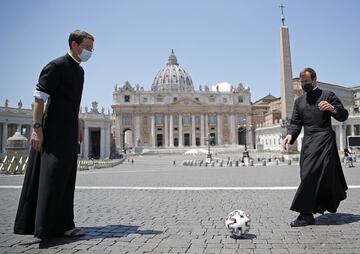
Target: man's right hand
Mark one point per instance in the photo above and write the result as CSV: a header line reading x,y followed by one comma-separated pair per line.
x,y
286,142
37,139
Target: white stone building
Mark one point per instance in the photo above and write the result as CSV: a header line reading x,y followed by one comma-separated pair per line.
x,y
270,130
96,128
174,114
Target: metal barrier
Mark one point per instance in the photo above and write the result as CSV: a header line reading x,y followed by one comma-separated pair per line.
x,y
15,165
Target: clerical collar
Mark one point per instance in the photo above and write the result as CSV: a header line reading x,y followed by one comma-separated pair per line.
x,y
73,57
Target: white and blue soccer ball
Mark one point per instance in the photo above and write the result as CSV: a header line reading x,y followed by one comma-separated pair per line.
x,y
238,223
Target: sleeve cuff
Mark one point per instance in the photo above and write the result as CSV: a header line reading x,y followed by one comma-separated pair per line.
x,y
41,95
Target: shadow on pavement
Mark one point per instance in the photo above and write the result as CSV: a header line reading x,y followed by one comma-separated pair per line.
x,y
244,237
96,233
336,219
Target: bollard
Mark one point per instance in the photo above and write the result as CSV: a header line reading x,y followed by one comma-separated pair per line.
x,y
276,162
251,163
264,162
289,162
236,163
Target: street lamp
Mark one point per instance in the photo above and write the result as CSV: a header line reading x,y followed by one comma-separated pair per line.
x,y
208,139
246,152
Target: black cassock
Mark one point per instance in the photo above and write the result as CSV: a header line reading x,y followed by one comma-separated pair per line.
x,y
323,184
47,196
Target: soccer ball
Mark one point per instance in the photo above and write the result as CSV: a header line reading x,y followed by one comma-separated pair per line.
x,y
238,223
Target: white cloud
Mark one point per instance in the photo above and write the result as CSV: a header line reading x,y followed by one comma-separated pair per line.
x,y
223,87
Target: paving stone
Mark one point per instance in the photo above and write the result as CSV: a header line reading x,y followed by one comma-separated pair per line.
x,y
188,221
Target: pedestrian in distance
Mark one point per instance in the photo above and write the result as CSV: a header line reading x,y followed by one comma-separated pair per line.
x,y
348,157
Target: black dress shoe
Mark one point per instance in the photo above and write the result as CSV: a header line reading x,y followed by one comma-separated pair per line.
x,y
303,220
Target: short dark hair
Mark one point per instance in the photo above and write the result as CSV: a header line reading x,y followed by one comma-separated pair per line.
x,y
78,36
309,70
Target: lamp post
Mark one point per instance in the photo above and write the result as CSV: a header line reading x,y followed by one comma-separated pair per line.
x,y
208,139
246,152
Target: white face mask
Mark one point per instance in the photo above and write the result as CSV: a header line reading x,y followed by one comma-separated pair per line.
x,y
85,55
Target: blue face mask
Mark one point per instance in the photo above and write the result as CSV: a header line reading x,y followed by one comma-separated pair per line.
x,y
85,55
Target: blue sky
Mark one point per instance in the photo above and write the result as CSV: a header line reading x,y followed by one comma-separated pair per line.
x,y
214,41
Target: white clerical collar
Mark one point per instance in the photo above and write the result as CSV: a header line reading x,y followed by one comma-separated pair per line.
x,y
316,87
73,57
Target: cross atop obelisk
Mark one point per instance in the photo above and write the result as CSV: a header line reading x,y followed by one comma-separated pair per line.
x,y
282,14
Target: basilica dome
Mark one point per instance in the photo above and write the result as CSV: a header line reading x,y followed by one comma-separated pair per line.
x,y
172,78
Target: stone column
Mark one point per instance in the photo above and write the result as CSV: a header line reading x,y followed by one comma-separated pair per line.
x,y
341,136
193,131
202,135
352,130
180,131
219,129
107,140
166,130
137,130
118,134
18,128
250,139
232,129
86,142
102,143
152,138
206,125
171,131
4,137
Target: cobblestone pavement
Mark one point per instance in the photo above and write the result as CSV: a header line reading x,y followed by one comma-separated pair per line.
x,y
188,220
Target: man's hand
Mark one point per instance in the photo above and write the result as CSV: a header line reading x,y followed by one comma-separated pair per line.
x,y
37,139
324,105
286,142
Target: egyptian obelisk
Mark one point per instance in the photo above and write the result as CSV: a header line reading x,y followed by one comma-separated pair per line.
x,y
287,93
287,90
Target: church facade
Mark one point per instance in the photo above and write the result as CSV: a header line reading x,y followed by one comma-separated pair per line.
x,y
174,114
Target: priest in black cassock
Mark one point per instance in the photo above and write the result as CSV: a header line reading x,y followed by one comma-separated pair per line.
x,y
323,184
47,197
